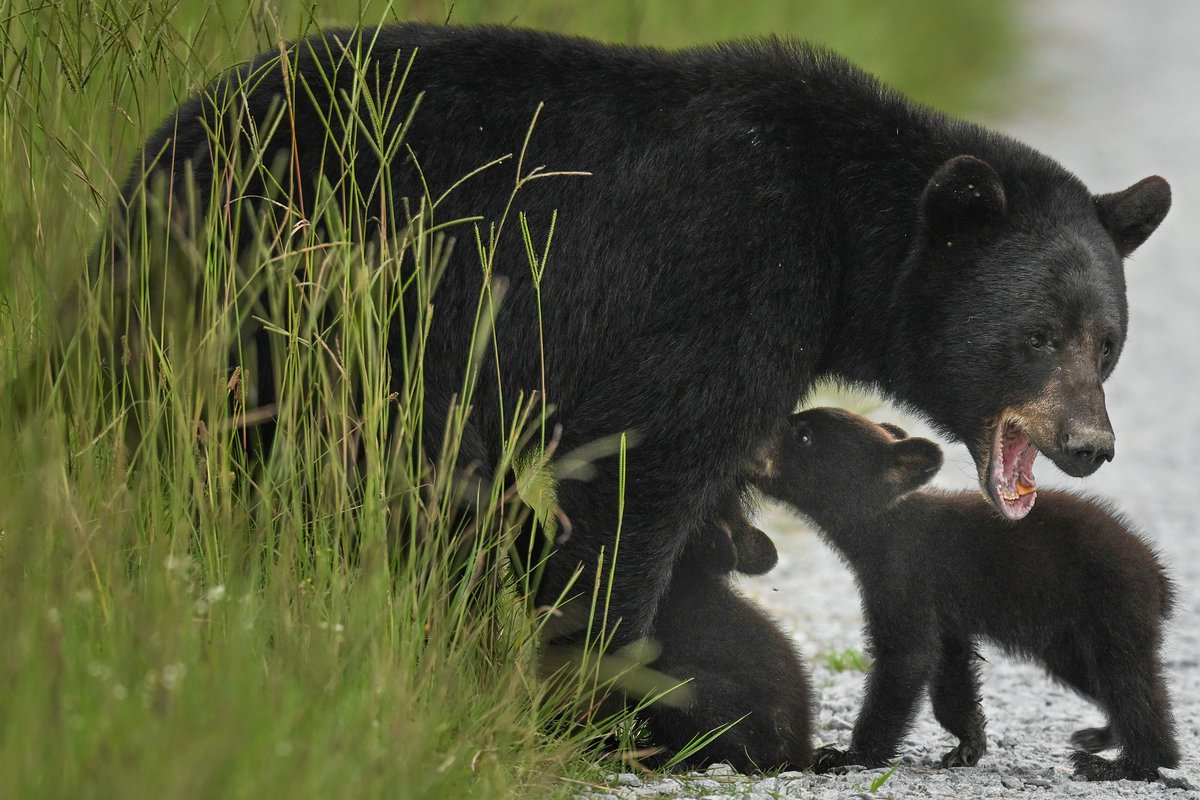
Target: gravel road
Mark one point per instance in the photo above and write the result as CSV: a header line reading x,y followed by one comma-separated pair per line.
x,y
1114,98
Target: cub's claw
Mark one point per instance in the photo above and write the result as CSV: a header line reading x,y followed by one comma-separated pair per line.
x,y
966,754
829,759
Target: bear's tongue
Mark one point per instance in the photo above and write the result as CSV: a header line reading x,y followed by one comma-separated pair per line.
x,y
1012,483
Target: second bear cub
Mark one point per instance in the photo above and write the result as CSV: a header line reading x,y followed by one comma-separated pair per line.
x,y
1071,586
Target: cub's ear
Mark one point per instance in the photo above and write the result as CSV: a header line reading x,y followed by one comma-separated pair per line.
x,y
1132,215
918,459
963,198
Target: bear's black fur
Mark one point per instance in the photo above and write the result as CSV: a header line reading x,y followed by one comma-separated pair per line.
x,y
1072,586
871,238
757,215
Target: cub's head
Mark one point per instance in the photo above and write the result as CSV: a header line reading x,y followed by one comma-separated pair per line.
x,y
832,461
1010,312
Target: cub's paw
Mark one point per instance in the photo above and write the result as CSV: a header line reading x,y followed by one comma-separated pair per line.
x,y
1091,767
756,553
829,759
1093,740
967,754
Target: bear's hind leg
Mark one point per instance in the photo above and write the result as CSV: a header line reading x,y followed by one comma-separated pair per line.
x,y
1094,740
1132,694
1140,721
954,695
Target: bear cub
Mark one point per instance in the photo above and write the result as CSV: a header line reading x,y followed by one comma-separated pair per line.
x,y
1072,586
742,671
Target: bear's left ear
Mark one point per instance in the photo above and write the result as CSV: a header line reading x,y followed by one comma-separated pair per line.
x,y
1132,215
963,198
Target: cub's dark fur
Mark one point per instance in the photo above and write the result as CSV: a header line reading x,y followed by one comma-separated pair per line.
x,y
742,670
1072,586
734,544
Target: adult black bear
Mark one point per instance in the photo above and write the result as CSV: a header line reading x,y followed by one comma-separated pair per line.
x,y
1072,586
757,215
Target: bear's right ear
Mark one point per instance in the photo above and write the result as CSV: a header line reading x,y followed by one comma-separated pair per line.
x,y
918,460
964,198
1132,215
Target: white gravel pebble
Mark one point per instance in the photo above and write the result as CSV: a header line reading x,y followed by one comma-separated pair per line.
x,y
1176,779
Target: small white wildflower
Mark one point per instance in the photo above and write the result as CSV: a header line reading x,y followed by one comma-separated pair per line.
x,y
172,674
84,596
98,670
215,594
174,563
119,692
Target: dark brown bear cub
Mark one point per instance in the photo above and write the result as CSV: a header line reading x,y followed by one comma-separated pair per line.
x,y
1071,586
742,672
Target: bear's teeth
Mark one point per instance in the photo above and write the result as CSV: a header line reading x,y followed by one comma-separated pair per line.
x,y
1023,490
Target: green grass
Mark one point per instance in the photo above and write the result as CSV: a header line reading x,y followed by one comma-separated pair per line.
x,y
176,621
878,783
848,658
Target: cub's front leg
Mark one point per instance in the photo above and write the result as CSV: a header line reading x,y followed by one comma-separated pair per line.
x,y
906,656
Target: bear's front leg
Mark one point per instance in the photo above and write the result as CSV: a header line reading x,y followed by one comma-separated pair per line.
x,y
833,760
955,699
905,651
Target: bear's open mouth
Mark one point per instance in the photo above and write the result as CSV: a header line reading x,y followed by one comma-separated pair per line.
x,y
1010,473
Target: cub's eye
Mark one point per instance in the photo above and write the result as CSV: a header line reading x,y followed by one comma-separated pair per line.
x,y
804,437
1037,341
1106,349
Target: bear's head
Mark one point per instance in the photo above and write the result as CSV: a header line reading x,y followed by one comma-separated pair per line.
x,y
830,461
1011,313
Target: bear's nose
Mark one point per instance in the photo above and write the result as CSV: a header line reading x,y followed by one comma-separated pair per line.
x,y
1086,449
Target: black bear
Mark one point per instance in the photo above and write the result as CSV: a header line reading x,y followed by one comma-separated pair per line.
x,y
755,216
1072,586
742,672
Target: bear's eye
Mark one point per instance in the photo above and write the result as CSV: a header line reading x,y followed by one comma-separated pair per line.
x,y
1037,341
1106,349
804,437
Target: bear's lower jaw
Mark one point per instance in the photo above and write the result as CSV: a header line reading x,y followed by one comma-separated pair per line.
x,y
1008,480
